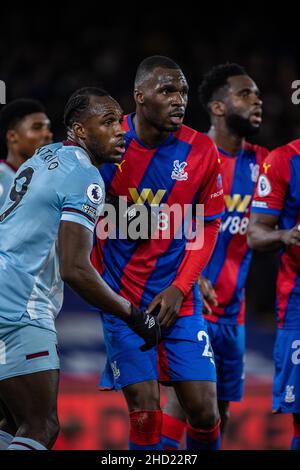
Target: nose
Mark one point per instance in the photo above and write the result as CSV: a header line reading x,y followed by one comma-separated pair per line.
x,y
119,131
257,100
48,135
178,99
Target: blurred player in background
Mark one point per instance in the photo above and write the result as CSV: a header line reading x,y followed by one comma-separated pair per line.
x,y
165,163
46,232
235,109
275,225
24,127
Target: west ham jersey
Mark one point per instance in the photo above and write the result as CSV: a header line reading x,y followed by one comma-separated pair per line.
x,y
183,170
229,264
7,174
278,193
58,183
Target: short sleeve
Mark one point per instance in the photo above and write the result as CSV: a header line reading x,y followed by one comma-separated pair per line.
x,y
82,196
272,183
211,190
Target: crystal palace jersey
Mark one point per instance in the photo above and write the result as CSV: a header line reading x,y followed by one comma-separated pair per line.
x,y
184,169
7,174
278,193
229,264
58,183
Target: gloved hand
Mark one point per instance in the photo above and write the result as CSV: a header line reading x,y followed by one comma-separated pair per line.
x,y
146,326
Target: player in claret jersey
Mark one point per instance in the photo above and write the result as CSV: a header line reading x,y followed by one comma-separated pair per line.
x,y
24,127
165,163
232,100
275,224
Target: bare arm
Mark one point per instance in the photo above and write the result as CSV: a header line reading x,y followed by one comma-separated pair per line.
x,y
263,235
75,246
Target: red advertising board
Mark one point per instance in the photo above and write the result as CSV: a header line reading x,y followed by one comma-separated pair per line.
x,y
99,420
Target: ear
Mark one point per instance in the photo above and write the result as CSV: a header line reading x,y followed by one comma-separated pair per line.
x,y
139,96
12,136
79,130
217,108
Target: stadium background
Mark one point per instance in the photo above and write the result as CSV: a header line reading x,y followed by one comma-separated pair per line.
x,y
46,52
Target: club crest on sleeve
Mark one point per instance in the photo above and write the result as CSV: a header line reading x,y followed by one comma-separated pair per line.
x,y
95,193
263,186
179,172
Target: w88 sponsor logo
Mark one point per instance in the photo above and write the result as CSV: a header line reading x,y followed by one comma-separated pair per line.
x,y
235,224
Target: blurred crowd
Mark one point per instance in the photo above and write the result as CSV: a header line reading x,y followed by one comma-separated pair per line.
x,y
47,56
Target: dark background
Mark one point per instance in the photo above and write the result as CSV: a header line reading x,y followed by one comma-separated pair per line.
x,y
49,50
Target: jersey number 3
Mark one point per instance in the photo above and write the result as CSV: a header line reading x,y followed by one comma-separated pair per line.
x,y
17,193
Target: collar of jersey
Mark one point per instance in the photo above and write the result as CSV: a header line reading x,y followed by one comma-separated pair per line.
x,y
239,154
70,143
9,165
133,133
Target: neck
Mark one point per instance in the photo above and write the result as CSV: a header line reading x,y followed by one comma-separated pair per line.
x,y
225,139
146,133
15,159
81,143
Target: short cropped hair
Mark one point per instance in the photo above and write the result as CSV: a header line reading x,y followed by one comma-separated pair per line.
x,y
79,102
151,63
15,111
216,79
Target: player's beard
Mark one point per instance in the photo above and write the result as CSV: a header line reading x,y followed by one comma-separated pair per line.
x,y
241,126
101,154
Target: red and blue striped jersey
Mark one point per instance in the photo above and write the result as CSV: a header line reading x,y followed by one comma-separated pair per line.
x,y
229,264
184,169
278,193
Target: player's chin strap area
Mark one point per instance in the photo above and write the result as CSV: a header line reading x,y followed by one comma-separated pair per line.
x,y
146,326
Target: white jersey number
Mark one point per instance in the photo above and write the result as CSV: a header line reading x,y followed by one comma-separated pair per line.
x,y
202,335
296,354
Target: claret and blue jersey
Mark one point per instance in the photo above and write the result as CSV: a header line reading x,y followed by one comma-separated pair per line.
x,y
278,193
184,169
58,183
229,264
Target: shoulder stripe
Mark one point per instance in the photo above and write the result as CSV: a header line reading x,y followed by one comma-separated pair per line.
x,y
71,209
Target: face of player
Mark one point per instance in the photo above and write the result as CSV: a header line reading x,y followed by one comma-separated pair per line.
x,y
163,99
31,133
243,106
103,132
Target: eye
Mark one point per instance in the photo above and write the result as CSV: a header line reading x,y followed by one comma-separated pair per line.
x,y
245,93
108,122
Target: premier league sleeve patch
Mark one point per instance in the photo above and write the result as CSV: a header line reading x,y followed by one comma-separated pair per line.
x,y
264,186
95,193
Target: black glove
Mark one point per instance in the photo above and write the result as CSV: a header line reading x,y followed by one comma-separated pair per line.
x,y
146,326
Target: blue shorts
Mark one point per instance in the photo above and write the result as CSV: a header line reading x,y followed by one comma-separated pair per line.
x,y
286,386
26,348
228,343
184,354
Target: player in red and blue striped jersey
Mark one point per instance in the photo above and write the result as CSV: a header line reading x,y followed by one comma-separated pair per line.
x,y
232,100
275,224
165,163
